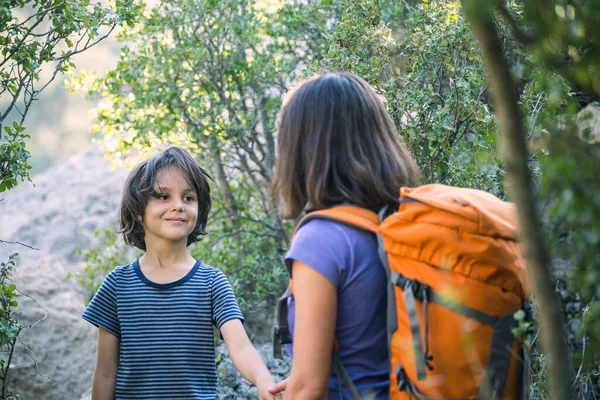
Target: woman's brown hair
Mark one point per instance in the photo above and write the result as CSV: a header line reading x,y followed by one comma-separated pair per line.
x,y
337,144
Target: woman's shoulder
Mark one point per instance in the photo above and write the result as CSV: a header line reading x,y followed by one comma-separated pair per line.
x,y
335,232
331,247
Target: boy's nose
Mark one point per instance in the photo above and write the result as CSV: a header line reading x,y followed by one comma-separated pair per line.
x,y
178,205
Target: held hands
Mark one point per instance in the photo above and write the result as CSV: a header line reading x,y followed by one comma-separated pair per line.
x,y
278,388
263,386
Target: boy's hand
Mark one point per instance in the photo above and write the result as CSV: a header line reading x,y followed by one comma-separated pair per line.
x,y
278,387
246,359
263,385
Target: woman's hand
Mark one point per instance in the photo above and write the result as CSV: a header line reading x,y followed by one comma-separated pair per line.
x,y
278,388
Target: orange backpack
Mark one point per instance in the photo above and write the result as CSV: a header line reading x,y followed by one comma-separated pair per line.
x,y
456,276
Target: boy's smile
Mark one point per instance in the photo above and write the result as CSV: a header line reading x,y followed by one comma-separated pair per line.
x,y
172,209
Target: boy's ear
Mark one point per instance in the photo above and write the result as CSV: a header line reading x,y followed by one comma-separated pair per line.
x,y
139,218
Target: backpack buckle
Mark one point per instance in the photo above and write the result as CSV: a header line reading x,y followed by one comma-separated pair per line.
x,y
419,289
401,378
282,334
280,337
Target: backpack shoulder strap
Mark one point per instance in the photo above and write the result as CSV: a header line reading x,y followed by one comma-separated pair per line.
x,y
368,220
346,214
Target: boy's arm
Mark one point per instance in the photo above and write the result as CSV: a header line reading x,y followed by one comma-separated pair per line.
x,y
107,364
245,357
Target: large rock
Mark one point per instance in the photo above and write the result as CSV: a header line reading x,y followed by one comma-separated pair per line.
x,y
231,383
60,213
55,355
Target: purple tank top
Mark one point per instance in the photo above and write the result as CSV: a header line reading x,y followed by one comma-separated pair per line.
x,y
348,258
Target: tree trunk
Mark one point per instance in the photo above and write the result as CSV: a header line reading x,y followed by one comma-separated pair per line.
x,y
514,152
224,188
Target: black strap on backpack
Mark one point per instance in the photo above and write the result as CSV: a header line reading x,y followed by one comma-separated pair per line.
x,y
281,331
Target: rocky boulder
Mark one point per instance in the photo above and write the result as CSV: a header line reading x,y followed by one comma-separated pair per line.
x,y
55,354
60,211
57,215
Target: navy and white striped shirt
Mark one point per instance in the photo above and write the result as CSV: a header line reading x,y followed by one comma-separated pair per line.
x,y
165,330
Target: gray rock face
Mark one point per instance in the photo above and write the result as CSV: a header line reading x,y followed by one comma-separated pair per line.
x,y
55,358
60,213
55,354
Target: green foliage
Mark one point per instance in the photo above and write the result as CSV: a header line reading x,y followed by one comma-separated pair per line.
x,y
103,259
36,35
360,41
442,109
40,34
524,329
209,76
571,169
13,156
9,323
564,37
427,68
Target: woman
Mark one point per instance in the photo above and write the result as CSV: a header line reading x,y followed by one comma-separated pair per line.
x,y
337,145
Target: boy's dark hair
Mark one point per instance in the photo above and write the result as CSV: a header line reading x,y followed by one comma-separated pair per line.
x,y
139,186
337,144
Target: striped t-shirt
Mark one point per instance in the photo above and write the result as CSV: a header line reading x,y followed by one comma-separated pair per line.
x,y
165,330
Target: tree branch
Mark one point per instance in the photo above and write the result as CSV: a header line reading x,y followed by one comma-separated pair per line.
x,y
519,34
514,152
19,243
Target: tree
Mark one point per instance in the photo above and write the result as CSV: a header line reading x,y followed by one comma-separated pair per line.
x,y
36,35
209,76
563,38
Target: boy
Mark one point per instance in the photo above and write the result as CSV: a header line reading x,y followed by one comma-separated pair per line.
x,y
155,316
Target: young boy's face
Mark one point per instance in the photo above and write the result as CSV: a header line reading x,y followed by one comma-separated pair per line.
x,y
172,210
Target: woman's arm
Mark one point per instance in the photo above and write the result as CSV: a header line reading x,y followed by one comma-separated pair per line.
x,y
245,357
107,364
316,309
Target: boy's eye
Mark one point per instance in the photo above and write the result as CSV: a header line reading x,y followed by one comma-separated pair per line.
x,y
189,198
160,196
